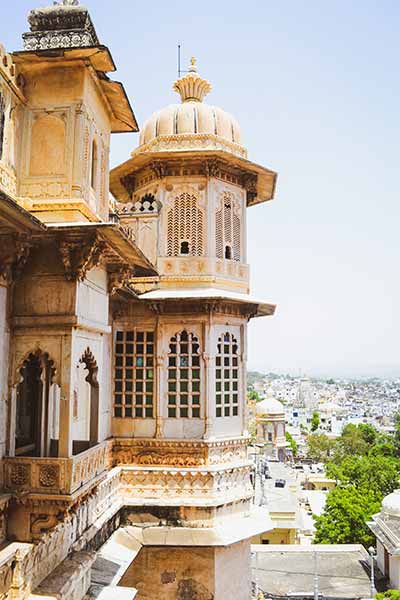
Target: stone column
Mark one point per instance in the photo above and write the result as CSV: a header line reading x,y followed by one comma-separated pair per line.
x,y
66,399
209,381
243,363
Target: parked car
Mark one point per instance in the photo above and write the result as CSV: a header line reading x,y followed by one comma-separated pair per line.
x,y
280,483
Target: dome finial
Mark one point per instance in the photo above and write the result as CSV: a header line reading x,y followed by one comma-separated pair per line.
x,y
193,68
192,87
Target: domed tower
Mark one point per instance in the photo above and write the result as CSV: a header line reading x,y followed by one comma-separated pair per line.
x,y
271,429
180,342
186,189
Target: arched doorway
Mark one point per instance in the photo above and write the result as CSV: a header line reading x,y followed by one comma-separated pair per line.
x,y
35,409
86,404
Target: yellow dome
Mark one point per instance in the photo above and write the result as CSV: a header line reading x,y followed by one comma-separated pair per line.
x,y
174,127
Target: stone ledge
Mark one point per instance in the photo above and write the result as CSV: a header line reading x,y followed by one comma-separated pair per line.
x,y
69,581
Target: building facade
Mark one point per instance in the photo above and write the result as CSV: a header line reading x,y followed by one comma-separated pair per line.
x,y
123,428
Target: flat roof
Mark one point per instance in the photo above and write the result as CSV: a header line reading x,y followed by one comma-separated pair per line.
x,y
288,570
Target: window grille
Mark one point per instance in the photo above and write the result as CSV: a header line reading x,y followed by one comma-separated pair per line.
x,y
185,227
2,123
227,376
184,376
134,374
228,230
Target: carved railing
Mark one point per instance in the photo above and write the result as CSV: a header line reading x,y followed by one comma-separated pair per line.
x,y
56,475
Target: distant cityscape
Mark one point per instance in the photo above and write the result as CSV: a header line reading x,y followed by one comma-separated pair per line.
x,y
338,401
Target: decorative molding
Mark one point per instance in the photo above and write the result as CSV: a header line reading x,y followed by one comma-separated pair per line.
x,y
191,141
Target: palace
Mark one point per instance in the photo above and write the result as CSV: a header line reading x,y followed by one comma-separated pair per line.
x,y
123,431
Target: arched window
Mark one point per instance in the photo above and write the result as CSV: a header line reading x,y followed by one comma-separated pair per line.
x,y
184,376
33,411
227,376
228,234
95,164
2,123
185,228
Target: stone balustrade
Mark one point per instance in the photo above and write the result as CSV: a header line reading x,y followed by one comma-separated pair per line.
x,y
56,475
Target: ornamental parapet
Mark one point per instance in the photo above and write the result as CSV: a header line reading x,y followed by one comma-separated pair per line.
x,y
211,486
56,475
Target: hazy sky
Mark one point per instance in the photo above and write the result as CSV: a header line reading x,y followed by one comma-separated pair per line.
x,y
315,87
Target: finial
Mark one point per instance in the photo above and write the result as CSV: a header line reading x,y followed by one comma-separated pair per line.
x,y
193,68
192,87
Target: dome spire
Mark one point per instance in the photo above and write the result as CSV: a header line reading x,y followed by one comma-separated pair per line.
x,y
192,87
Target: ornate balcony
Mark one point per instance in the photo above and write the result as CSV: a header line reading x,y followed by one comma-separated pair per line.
x,y
56,475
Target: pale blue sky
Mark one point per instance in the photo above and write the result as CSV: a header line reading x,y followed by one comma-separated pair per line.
x,y
315,87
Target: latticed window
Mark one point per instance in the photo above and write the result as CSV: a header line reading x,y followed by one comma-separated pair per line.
x,y
2,123
227,225
185,227
134,374
184,376
227,376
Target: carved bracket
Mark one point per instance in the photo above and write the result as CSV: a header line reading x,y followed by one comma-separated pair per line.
x,y
212,168
129,183
119,278
14,253
159,169
79,256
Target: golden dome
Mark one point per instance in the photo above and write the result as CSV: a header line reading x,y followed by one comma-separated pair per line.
x,y
174,127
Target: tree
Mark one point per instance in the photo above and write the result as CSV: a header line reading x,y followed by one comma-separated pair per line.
x,y
319,447
388,595
344,519
292,443
253,395
351,442
369,433
375,474
315,421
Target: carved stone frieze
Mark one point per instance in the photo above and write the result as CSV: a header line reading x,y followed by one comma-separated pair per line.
x,y
172,453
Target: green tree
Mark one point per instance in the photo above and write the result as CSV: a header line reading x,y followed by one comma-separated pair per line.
x,y
315,421
351,442
388,595
376,474
292,443
253,395
369,433
344,519
319,447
